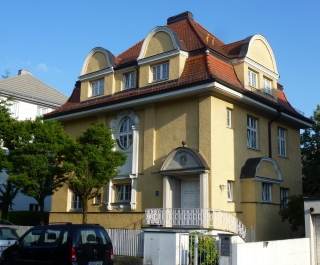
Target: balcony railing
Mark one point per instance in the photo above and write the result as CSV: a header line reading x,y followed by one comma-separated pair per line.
x,y
196,217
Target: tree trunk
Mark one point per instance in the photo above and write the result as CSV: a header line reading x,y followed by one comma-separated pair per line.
x,y
41,205
84,210
4,211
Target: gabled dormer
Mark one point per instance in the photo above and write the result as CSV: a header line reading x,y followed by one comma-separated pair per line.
x,y
162,57
97,74
256,67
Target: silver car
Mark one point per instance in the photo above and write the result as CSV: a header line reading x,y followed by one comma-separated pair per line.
x,y
8,236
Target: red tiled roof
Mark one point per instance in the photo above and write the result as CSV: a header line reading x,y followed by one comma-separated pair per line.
x,y
283,101
233,49
222,70
208,58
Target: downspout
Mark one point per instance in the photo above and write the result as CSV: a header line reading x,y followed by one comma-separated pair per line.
x,y
279,109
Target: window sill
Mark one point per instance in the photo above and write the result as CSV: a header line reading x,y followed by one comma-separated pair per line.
x,y
254,149
94,96
157,81
75,210
285,157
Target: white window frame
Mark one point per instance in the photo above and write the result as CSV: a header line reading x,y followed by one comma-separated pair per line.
x,y
252,79
75,202
41,111
128,80
122,192
13,108
266,192
282,142
230,191
284,195
126,133
229,112
252,132
267,86
160,72
97,87
97,199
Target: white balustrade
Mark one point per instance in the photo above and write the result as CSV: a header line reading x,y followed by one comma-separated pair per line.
x,y
196,217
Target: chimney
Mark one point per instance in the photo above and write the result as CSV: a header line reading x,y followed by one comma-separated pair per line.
x,y
180,17
24,72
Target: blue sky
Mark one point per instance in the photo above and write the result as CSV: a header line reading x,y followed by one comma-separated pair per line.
x,y
52,38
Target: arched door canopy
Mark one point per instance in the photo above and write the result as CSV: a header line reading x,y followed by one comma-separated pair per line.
x,y
183,160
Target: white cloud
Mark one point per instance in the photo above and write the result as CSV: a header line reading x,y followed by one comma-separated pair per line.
x,y
42,67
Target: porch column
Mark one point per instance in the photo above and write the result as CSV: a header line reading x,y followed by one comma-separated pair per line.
x,y
135,163
108,197
204,183
167,196
167,203
133,202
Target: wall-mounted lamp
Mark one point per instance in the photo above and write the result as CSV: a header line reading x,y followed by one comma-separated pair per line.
x,y
222,187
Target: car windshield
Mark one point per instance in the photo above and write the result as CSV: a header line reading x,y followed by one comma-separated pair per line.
x,y
7,233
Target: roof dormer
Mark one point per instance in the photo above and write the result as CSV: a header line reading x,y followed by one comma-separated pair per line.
x,y
97,74
161,50
256,66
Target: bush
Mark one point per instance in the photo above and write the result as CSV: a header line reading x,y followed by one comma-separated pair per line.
x,y
27,218
208,251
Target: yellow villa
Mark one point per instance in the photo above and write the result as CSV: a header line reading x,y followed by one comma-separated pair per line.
x,y
210,137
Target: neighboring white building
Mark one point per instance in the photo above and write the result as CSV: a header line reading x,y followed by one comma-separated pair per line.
x,y
31,98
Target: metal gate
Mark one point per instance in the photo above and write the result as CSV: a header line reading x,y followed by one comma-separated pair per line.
x,y
199,249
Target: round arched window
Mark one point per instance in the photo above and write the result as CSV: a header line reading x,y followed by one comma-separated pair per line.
x,y
125,134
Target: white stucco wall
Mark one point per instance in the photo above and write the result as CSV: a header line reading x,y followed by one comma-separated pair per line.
x,y
291,251
25,110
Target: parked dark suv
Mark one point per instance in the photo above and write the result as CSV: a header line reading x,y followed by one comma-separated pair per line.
x,y
61,244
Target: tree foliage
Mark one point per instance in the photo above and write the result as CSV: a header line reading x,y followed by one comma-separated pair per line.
x,y
8,190
6,74
310,160
310,153
37,150
94,162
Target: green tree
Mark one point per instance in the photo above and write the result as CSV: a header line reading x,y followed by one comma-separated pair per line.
x,y
94,162
310,154
36,153
310,160
8,191
6,74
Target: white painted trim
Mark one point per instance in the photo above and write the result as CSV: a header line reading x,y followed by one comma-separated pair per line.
x,y
256,65
151,34
161,57
108,197
266,180
198,88
126,70
90,54
95,75
293,118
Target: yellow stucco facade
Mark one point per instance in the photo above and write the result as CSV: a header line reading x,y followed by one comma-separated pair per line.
x,y
199,119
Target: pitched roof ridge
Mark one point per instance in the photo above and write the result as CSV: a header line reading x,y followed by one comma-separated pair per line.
x,y
207,63
209,32
35,78
232,43
286,100
195,31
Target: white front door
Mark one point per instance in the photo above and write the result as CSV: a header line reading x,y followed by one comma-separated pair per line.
x,y
190,194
